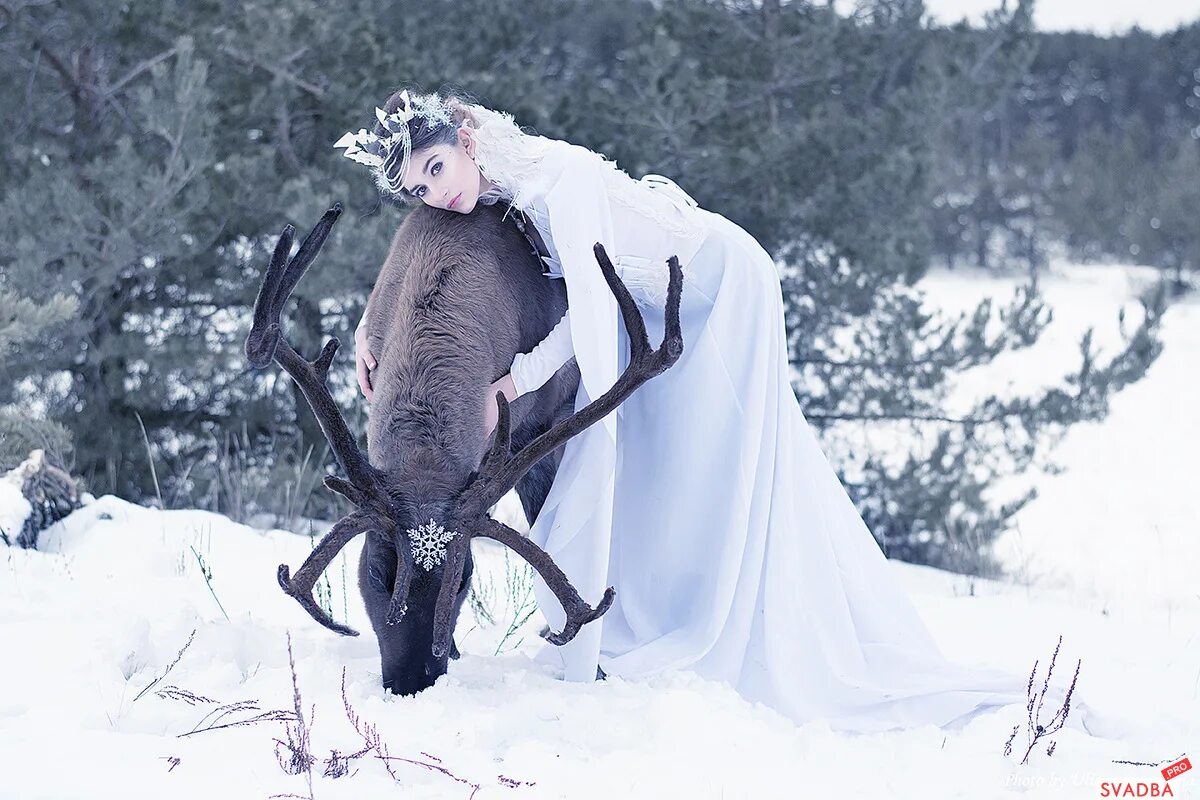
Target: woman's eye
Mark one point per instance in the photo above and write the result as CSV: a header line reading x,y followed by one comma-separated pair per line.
x,y
436,168
420,192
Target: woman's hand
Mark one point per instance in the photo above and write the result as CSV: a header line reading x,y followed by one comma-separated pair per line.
x,y
491,413
364,361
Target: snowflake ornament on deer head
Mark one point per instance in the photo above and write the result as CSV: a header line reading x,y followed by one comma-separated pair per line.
x,y
429,544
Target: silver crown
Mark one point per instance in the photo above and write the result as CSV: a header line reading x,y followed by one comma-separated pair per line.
x,y
380,152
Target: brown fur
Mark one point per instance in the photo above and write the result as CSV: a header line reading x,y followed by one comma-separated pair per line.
x,y
456,299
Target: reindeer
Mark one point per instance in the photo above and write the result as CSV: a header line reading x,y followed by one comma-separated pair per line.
x,y
456,299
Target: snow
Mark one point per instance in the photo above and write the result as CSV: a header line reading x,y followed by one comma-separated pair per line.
x,y
1106,557
14,509
1128,495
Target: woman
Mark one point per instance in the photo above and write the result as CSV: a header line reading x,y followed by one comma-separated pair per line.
x,y
705,498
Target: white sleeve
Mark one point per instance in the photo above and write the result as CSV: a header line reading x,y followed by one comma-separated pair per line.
x,y
530,370
580,217
363,321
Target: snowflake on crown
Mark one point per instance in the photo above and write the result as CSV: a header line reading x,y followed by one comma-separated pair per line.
x,y
429,544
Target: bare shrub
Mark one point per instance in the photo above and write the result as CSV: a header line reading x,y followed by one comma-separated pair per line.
x,y
1035,729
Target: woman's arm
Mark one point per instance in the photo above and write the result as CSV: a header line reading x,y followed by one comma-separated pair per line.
x,y
531,370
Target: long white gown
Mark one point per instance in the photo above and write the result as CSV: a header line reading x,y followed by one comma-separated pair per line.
x,y
706,499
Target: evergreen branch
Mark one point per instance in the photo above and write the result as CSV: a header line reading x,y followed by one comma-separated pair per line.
x,y
139,69
278,72
71,81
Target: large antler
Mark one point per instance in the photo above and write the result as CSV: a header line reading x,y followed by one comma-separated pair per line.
x,y
364,487
300,587
579,613
498,473
501,469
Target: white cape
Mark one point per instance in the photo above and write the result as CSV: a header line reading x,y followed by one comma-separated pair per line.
x,y
707,502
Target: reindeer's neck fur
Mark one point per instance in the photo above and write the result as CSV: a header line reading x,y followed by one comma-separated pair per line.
x,y
444,323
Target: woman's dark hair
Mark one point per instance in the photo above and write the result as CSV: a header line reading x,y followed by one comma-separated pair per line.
x,y
424,132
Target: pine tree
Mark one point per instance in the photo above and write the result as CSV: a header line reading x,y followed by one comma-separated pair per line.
x,y
109,206
25,332
819,134
1166,229
155,149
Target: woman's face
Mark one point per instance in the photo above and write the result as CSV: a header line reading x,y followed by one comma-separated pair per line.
x,y
445,175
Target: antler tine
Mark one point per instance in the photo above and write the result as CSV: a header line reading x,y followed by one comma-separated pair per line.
x,y
264,332
443,614
502,438
579,613
345,448
301,585
456,553
497,475
266,341
398,605
281,278
635,326
309,248
672,328
346,490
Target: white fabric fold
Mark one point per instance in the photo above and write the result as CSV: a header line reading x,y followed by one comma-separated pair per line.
x,y
706,501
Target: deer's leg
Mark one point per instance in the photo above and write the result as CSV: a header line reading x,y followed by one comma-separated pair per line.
x,y
534,485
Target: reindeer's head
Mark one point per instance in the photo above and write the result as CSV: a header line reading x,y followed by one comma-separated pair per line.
x,y
422,517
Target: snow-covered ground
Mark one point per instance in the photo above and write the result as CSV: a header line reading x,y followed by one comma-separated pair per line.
x,y
1121,524
1106,557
